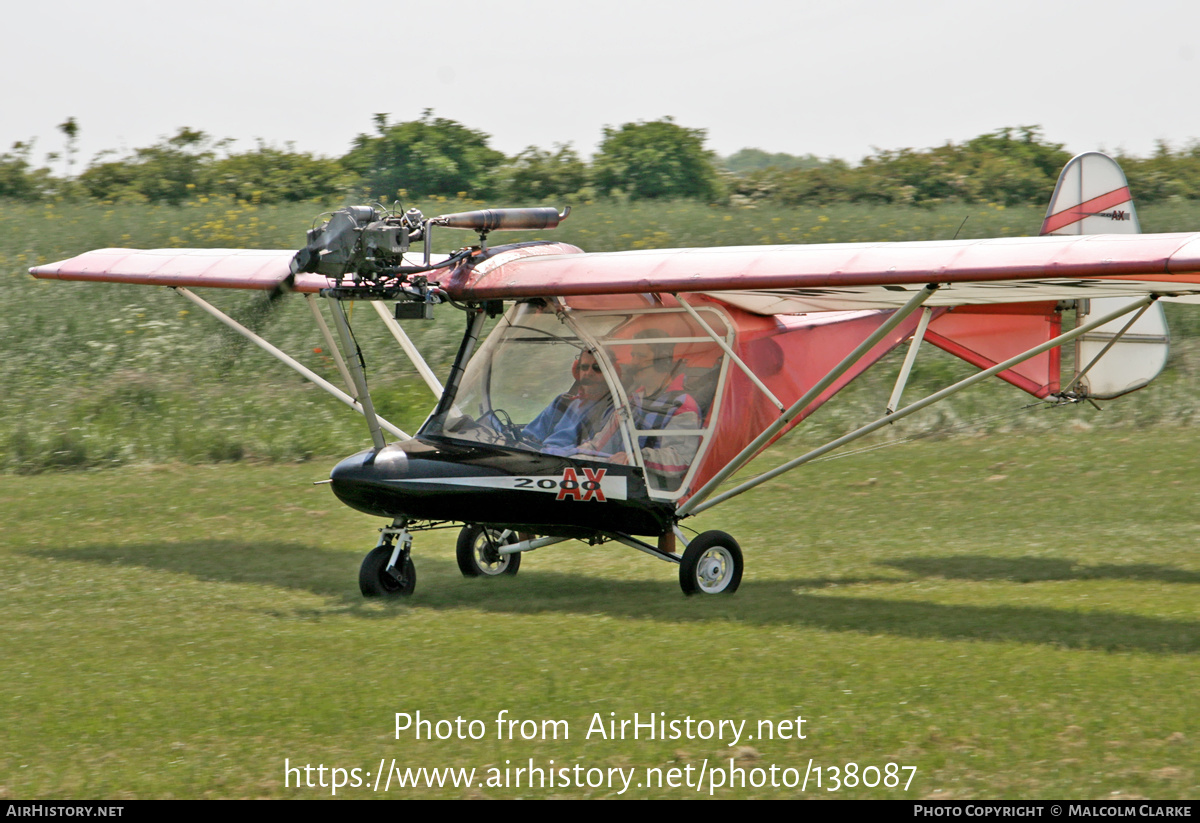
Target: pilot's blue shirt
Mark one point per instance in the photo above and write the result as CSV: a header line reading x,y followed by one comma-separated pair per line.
x,y
567,422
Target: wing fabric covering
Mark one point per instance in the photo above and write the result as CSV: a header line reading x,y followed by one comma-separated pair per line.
x,y
849,276
986,335
764,279
189,268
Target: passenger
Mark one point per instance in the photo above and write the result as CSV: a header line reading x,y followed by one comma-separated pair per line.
x,y
659,401
574,416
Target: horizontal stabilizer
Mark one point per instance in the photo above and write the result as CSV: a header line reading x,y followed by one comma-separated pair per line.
x,y
1125,359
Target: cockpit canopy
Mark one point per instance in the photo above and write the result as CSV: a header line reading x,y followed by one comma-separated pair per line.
x,y
590,377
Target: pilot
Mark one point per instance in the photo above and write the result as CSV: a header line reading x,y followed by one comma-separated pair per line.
x,y
659,401
574,416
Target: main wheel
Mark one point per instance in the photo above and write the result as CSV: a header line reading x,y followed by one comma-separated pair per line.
x,y
478,552
712,564
375,581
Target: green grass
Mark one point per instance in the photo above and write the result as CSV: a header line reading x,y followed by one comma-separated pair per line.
x,y
1015,616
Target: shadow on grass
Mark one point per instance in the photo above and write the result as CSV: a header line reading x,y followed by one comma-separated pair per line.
x,y
788,602
1034,569
288,565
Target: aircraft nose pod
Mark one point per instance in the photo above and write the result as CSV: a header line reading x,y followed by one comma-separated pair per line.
x,y
364,481
445,481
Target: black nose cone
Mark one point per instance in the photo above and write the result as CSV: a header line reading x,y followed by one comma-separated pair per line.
x,y
370,481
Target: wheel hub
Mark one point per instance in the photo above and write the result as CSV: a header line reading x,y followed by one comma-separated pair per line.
x,y
489,553
713,570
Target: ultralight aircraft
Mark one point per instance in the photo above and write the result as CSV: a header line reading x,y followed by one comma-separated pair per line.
x,y
618,392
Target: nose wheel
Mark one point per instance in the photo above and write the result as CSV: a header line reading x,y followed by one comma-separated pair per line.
x,y
711,564
388,570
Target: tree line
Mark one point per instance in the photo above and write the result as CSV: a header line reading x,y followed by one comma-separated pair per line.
x,y
434,156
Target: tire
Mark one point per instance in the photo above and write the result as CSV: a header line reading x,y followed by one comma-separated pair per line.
x,y
712,564
477,555
373,581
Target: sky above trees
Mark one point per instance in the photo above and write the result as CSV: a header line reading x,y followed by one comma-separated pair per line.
x,y
830,79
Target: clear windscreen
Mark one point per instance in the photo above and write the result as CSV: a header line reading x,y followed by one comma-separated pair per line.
x,y
527,364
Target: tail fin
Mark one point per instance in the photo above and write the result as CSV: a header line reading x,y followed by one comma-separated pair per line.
x,y
1092,197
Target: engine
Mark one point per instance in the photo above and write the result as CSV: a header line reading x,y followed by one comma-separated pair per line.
x,y
365,249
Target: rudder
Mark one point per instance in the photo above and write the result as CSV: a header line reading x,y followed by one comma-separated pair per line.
x,y
1092,197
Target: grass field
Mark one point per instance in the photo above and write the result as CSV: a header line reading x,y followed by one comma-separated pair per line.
x,y
1007,607
1013,616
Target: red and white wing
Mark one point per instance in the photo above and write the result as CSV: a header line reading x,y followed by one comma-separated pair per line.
x,y
849,276
217,268
762,279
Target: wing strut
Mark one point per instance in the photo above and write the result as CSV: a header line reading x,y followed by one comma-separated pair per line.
x,y
928,401
288,360
334,349
693,504
909,359
356,371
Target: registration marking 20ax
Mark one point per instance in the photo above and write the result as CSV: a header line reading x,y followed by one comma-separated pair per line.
x,y
581,484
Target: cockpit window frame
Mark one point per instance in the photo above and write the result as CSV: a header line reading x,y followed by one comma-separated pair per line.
x,y
583,338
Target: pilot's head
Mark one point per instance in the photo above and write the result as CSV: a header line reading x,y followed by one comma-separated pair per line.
x,y
658,357
588,373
